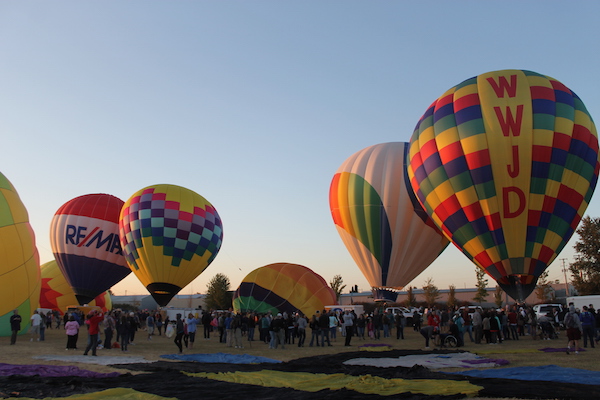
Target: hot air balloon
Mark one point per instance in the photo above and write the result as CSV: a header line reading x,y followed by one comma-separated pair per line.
x,y
380,221
84,236
19,260
169,234
57,294
283,287
506,163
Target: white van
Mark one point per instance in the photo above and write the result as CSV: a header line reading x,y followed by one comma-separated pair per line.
x,y
544,309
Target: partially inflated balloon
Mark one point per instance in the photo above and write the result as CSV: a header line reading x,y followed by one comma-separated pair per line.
x,y
57,294
84,236
380,221
169,234
283,287
19,260
506,163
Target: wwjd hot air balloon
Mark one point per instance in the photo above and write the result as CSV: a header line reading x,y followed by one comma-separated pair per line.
x,y
506,163
383,226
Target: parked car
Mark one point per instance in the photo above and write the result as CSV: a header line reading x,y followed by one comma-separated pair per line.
x,y
408,314
543,309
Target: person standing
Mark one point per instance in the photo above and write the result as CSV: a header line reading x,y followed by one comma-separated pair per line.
x,y
123,330
109,329
93,320
400,322
302,323
36,321
477,322
324,328
588,324
206,324
179,331
574,328
72,331
348,325
15,326
150,326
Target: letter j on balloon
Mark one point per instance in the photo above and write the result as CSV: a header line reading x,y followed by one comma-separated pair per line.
x,y
506,163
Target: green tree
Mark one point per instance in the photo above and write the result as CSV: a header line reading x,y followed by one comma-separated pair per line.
x,y
218,296
411,299
585,272
452,302
431,292
543,289
337,284
482,282
498,294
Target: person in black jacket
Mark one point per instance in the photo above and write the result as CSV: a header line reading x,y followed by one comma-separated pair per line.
x,y
15,326
324,328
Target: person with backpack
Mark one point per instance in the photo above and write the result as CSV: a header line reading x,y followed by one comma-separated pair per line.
x,y
588,324
574,328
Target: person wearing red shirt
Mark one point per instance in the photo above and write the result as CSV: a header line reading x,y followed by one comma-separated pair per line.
x,y
93,320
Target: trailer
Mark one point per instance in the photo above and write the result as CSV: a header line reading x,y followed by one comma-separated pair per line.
x,y
580,301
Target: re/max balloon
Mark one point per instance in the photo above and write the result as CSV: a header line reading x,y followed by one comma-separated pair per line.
x,y
380,221
169,234
19,260
57,294
283,287
506,163
84,236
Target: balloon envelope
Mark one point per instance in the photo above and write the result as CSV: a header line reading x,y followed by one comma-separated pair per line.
x,y
84,236
169,234
506,163
57,294
19,260
283,287
380,221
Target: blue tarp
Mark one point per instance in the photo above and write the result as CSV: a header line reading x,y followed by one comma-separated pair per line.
x,y
221,358
552,373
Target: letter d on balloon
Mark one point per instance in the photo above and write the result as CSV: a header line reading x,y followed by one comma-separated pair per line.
x,y
507,198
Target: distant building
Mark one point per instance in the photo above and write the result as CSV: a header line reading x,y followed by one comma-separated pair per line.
x,y
462,296
147,302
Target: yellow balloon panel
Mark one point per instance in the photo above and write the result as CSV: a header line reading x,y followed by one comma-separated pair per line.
x,y
19,260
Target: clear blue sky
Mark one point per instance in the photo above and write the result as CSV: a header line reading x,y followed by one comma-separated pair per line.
x,y
254,105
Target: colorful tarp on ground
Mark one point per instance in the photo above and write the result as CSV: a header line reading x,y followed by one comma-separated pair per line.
x,y
552,373
116,394
170,379
51,370
309,382
455,360
221,358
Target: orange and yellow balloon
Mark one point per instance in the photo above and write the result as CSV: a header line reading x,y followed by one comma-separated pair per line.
x,y
505,163
283,287
57,294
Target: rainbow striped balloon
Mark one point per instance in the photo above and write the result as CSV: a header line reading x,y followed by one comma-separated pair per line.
x,y
505,163
386,231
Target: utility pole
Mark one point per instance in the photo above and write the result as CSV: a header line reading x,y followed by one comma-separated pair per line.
x,y
565,272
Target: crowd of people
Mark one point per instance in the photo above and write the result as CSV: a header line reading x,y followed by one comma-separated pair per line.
x,y
117,329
